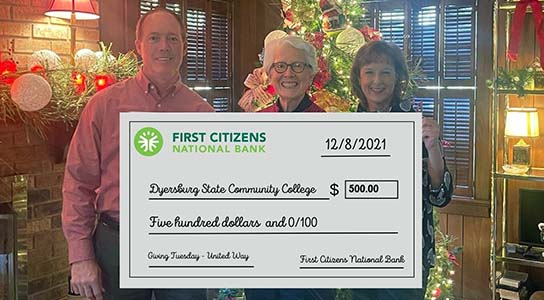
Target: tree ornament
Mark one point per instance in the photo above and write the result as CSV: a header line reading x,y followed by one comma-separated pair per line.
x,y
437,292
31,92
333,16
323,76
85,59
371,34
330,102
48,59
350,40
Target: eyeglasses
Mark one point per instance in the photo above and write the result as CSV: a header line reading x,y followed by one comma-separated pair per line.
x,y
297,67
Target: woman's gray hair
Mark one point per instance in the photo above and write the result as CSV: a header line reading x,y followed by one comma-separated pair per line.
x,y
295,42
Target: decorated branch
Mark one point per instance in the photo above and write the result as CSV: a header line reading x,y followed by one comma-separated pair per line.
x,y
51,90
440,285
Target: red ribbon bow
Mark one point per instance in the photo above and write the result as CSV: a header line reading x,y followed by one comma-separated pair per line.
x,y
517,26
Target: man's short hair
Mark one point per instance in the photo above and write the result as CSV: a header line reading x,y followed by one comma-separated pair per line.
x,y
158,10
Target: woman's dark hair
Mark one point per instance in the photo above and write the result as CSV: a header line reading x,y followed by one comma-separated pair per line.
x,y
374,52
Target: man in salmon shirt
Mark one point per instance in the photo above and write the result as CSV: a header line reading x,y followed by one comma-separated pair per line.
x,y
90,213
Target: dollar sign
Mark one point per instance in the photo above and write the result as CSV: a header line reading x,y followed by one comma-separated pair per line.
x,y
334,189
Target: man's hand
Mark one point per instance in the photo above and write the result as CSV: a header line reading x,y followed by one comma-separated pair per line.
x,y
86,279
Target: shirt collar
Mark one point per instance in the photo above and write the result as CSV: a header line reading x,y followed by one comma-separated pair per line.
x,y
301,107
148,87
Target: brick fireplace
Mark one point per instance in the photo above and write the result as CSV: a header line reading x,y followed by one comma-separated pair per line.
x,y
31,167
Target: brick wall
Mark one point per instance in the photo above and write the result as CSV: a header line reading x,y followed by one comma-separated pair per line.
x,y
23,22
45,267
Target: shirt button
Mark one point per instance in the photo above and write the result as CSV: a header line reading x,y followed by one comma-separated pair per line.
x,y
159,105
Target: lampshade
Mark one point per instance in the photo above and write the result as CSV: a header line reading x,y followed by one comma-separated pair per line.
x,y
83,9
522,122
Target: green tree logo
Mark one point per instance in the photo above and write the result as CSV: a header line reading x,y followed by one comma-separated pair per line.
x,y
148,141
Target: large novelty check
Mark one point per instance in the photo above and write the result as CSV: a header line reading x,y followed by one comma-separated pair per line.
x,y
270,200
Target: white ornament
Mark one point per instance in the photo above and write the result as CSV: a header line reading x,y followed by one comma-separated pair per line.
x,y
85,59
31,92
100,56
46,58
350,40
274,35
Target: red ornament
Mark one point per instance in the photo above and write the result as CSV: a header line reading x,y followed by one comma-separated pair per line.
x,y
371,34
37,69
451,256
436,292
79,82
317,39
103,81
288,16
323,76
321,79
8,68
270,89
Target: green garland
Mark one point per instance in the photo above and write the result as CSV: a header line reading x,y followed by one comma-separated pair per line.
x,y
66,102
518,80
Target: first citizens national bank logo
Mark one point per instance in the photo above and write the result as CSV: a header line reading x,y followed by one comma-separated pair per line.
x,y
148,141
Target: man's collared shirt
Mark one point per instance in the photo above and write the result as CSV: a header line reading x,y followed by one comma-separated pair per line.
x,y
91,179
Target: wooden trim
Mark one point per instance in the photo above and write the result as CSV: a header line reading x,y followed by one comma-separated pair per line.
x,y
467,207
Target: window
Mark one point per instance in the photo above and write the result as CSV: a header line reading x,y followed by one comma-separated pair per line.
x,y
208,65
441,36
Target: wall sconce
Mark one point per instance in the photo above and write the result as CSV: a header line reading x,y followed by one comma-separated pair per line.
x,y
72,10
522,122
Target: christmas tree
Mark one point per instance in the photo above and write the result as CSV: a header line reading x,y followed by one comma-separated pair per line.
x,y
336,30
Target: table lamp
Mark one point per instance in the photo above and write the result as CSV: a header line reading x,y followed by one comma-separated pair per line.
x,y
522,123
72,10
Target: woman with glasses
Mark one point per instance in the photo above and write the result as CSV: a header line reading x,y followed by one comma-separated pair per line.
x,y
290,64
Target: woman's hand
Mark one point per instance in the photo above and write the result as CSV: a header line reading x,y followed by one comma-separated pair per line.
x,y
430,134
246,102
254,98
431,139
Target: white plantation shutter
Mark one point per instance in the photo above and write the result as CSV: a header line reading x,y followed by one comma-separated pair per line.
x,y
147,5
391,25
458,104
423,40
457,130
196,47
425,105
442,36
175,8
458,42
221,55
208,65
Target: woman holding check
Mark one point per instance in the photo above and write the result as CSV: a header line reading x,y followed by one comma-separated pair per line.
x,y
379,77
